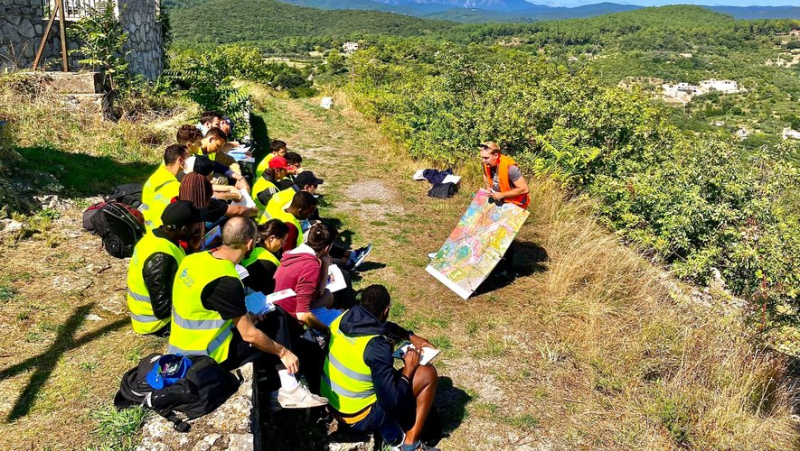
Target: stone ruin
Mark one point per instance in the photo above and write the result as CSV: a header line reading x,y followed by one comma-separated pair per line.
x,y
23,22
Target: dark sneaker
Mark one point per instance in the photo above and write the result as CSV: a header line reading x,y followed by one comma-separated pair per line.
x,y
420,447
361,255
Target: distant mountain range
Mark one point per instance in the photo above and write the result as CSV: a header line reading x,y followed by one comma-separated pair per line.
x,y
473,11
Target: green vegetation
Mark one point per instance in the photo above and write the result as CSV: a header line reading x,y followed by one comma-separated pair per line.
x,y
118,428
695,202
213,22
103,39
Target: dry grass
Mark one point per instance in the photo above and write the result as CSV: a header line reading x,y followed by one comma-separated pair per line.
x,y
592,349
66,334
589,350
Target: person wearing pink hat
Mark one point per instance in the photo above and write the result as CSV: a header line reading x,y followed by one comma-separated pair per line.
x,y
267,184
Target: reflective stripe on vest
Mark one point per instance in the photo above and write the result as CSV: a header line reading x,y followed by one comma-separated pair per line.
x,y
139,305
261,185
157,193
195,329
144,319
223,338
502,179
260,253
347,380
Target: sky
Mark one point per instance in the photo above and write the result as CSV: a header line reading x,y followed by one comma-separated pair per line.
x,y
571,3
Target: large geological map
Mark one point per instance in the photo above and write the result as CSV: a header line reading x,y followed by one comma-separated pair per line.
x,y
477,244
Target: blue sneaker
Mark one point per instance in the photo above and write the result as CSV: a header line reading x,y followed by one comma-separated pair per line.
x,y
361,255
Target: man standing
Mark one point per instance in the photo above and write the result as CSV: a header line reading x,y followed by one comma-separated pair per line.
x,y
504,181
364,390
163,185
154,264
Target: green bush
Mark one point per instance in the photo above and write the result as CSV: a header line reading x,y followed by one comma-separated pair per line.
x,y
695,203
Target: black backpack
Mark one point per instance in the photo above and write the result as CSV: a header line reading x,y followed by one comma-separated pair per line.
x,y
119,226
205,387
128,194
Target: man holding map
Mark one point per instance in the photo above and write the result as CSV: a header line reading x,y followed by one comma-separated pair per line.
x,y
504,182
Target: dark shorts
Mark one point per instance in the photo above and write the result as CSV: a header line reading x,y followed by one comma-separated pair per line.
x,y
390,425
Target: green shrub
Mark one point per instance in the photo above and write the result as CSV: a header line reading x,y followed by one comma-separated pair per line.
x,y
695,203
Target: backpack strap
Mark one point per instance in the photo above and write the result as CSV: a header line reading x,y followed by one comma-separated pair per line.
x,y
178,424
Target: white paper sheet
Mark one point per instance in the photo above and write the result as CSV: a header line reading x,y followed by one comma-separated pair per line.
x,y
246,201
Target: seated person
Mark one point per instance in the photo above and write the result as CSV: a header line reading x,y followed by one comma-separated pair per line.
x,y
303,205
197,189
154,264
295,162
212,147
205,167
305,270
208,120
304,181
210,317
308,182
364,390
263,261
277,149
266,185
162,186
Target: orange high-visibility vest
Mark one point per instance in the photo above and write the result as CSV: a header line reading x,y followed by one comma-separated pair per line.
x,y
502,177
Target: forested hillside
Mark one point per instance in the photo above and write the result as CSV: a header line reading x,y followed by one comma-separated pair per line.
x,y
223,21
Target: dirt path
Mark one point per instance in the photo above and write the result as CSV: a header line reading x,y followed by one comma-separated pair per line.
x,y
368,187
587,350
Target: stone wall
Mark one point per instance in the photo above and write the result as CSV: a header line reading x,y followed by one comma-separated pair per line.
x,y
139,18
22,25
21,29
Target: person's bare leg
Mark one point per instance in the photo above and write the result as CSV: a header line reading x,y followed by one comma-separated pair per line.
x,y
424,384
326,300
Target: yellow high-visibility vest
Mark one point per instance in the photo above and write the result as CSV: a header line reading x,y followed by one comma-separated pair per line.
x,y
347,380
261,185
260,253
195,329
139,304
280,202
285,216
157,193
264,164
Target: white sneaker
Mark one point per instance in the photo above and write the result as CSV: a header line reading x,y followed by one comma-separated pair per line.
x,y
300,398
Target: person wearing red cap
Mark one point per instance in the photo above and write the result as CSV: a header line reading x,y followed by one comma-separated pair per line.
x,y
267,184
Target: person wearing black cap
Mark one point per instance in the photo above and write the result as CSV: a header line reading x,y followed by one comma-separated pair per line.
x,y
304,181
155,261
307,181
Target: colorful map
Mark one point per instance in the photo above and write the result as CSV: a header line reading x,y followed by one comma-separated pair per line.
x,y
477,244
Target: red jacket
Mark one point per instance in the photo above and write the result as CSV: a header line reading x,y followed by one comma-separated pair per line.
x,y
299,271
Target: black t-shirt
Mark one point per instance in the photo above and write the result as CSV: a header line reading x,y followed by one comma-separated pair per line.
x,y
226,296
261,276
216,210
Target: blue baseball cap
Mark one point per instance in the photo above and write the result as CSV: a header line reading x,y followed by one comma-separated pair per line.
x,y
169,369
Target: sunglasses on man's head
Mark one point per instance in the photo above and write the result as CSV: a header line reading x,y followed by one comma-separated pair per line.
x,y
484,146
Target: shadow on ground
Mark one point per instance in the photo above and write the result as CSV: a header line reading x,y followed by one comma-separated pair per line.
x,y
308,429
45,363
451,402
529,259
82,174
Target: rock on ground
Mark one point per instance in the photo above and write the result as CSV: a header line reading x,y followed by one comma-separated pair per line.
x,y
230,427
